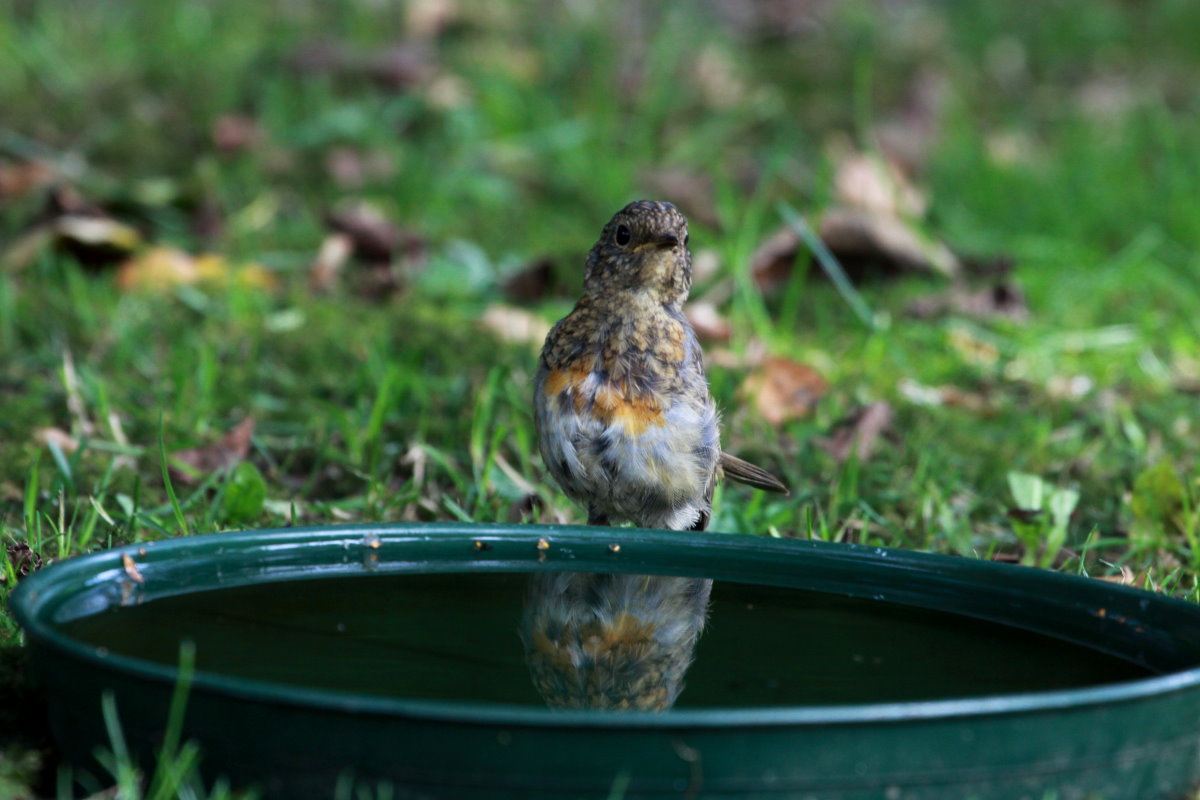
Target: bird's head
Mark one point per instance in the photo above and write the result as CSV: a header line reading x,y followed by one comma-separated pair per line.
x,y
643,248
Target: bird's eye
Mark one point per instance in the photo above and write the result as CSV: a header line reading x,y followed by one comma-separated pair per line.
x,y
623,235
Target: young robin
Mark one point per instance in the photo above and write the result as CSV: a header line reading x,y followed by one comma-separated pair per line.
x,y
616,642
624,418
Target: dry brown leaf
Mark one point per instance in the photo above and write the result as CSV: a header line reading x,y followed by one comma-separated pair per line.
x,y
95,240
783,389
951,396
534,281
18,179
97,232
131,568
161,268
1124,578
693,192
871,184
235,133
158,268
65,199
375,237
57,436
23,558
332,256
199,462
860,238
428,19
515,324
858,432
726,358
773,261
708,322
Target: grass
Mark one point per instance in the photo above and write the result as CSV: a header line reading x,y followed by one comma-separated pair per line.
x,y
1061,139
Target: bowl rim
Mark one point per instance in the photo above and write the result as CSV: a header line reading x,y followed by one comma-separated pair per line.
x,y
33,600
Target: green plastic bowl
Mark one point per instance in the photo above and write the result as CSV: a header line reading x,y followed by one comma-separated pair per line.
x,y
1138,739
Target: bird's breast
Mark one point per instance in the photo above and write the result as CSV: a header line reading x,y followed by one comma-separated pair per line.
x,y
590,391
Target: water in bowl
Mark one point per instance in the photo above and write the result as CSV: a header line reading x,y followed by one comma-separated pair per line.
x,y
458,637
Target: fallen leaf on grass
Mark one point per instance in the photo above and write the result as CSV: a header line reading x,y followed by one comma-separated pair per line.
x,y
872,227
865,241
428,19
57,436
782,389
772,263
335,250
726,358
23,178
515,324
532,282
973,348
857,432
235,133
101,238
23,558
389,254
875,185
195,464
708,322
1125,577
160,268
952,396
375,237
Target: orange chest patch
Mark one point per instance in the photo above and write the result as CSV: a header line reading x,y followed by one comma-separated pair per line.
x,y
608,402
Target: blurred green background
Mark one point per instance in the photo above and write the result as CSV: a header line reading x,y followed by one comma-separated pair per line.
x,y
307,251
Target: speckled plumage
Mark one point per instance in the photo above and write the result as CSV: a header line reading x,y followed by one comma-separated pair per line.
x,y
625,421
615,642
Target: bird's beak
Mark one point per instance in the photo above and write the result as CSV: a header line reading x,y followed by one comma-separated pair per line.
x,y
665,241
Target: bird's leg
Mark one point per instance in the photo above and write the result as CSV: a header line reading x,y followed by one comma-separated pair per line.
x,y
596,518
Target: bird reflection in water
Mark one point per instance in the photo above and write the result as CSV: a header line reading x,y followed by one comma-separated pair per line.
x,y
614,642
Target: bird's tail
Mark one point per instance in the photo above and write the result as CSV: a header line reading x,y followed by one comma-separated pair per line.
x,y
745,472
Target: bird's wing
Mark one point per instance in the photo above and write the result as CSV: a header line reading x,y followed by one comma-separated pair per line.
x,y
745,472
